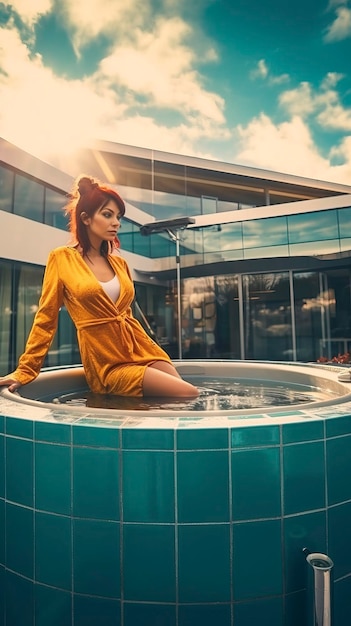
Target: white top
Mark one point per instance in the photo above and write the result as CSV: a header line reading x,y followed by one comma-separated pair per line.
x,y
112,288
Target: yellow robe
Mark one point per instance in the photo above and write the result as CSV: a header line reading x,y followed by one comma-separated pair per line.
x,y
114,348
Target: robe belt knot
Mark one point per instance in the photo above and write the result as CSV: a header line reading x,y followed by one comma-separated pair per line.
x,y
120,317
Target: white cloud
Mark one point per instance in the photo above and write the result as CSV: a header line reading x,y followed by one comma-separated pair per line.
x,y
42,113
335,117
341,27
161,66
323,103
331,80
49,115
262,71
288,147
30,10
299,101
86,19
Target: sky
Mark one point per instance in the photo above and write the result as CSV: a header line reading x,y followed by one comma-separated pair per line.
x,y
263,83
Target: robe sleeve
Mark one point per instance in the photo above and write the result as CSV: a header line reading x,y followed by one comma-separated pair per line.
x,y
44,325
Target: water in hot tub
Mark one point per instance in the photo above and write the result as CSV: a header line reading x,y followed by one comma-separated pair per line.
x,y
216,394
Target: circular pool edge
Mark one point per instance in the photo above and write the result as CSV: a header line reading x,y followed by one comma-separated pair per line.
x,y
69,378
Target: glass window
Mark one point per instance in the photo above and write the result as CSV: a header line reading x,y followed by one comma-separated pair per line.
x,y
265,232
210,314
208,205
190,241
309,315
266,252
5,318
6,189
54,209
314,248
193,205
345,245
126,234
315,226
141,243
345,222
29,198
222,237
168,205
64,349
162,246
267,316
231,236
29,281
224,206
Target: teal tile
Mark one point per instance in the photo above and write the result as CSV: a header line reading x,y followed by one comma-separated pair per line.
x,y
52,432
301,531
204,563
2,466
2,532
19,427
341,602
53,478
255,436
307,431
203,439
2,594
257,559
256,483
339,519
147,439
20,540
149,563
339,469
52,607
53,550
96,483
96,558
95,436
296,608
89,611
336,426
2,424
265,612
203,486
19,471
148,486
140,614
304,477
19,601
204,615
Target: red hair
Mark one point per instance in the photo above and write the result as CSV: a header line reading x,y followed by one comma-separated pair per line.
x,y
87,197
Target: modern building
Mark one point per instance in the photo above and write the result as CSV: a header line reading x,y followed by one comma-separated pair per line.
x,y
263,272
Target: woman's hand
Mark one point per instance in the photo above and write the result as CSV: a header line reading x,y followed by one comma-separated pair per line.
x,y
11,383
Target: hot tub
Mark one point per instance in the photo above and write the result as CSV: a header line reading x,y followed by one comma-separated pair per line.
x,y
186,517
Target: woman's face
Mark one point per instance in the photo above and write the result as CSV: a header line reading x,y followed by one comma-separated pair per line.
x,y
105,223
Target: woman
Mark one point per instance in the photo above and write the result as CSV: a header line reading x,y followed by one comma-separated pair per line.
x,y
93,282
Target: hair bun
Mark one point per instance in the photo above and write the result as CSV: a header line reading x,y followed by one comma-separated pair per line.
x,y
86,184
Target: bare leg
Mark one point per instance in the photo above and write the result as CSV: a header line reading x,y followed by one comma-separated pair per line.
x,y
160,383
164,366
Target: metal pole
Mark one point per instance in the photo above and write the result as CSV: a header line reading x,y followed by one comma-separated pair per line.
x,y
319,588
180,352
176,237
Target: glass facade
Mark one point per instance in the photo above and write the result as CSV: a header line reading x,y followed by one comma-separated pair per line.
x,y
21,195
276,288
315,233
